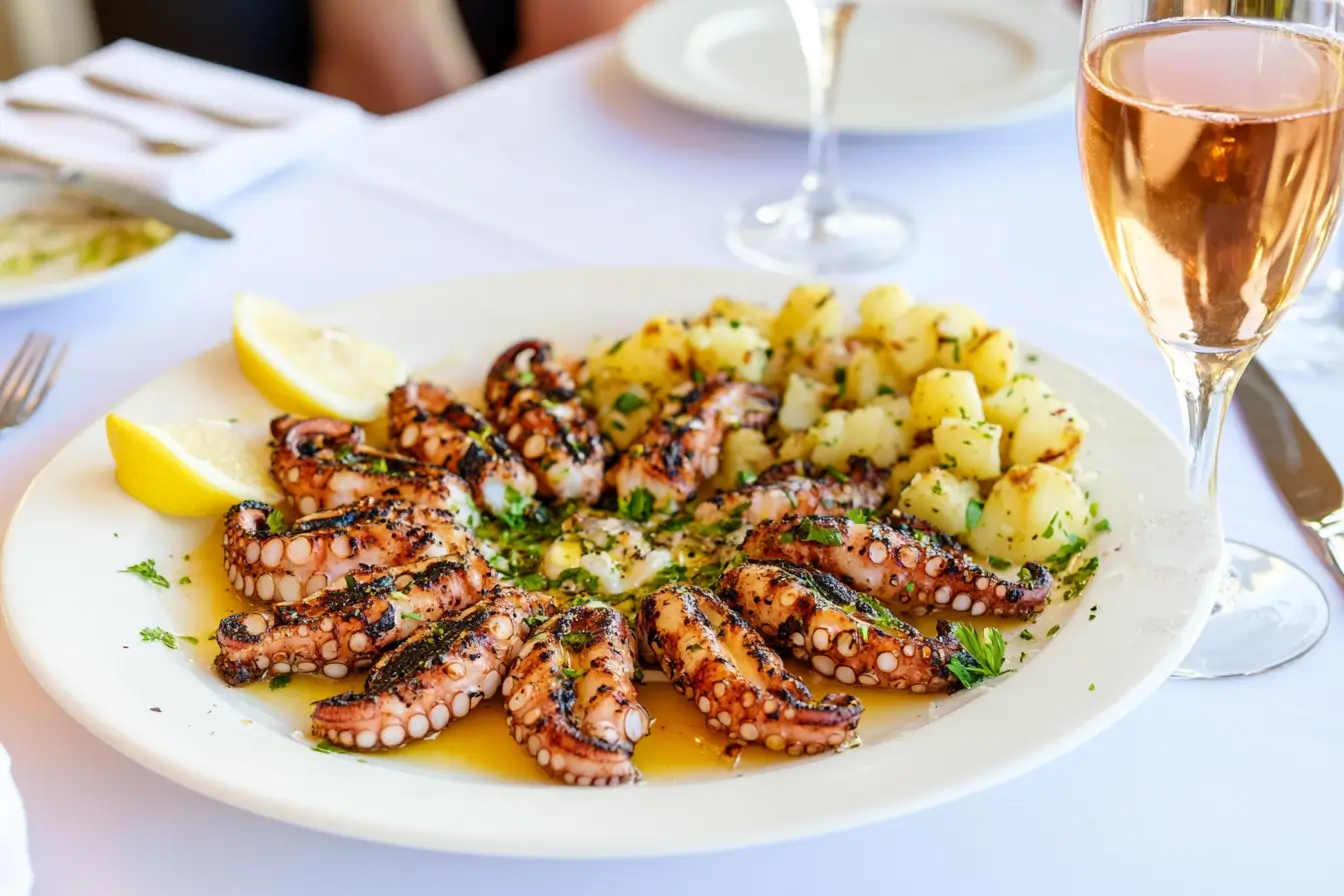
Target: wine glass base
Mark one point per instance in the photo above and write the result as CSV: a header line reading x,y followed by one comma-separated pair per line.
x,y
1269,612
1310,338
849,235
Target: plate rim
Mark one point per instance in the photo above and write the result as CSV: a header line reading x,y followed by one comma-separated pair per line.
x,y
646,19
497,843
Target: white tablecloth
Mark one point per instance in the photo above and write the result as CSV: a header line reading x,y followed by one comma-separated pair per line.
x,y
1226,787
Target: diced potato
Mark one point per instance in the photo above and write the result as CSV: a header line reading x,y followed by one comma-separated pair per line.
x,y
957,327
970,448
925,457
1050,432
810,314
867,432
938,497
913,339
878,310
896,406
743,449
944,393
797,446
723,345
870,373
1031,512
991,358
758,317
803,403
1011,400
564,553
658,355
623,409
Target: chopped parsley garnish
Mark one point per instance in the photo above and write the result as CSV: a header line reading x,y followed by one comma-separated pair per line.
x,y
534,621
479,436
1102,526
615,346
638,675
859,515
672,572
974,510
586,580
787,537
1027,636
841,378
185,580
326,746
818,534
638,506
350,583
694,648
745,477
697,376
378,465
516,506
937,488
145,570
629,401
191,639
418,617
571,673
501,563
1054,630
526,377
986,649
167,639
345,453
1076,581
533,581
909,587
1092,687
280,681
275,522
863,631
576,639
999,563
1033,357
1049,531
836,473
1059,560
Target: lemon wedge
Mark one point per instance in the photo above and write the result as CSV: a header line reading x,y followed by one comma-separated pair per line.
x,y
197,469
311,370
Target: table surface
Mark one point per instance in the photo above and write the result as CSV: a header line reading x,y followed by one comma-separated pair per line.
x,y
1209,787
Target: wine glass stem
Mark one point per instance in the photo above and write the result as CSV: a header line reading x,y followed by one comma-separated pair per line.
x,y
822,25
1205,381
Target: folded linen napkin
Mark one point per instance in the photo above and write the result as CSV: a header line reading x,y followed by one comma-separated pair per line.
x,y
16,875
229,158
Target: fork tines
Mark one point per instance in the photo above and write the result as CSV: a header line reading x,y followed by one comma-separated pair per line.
x,y
29,377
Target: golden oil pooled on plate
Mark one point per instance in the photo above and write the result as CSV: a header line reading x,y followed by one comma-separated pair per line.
x,y
679,746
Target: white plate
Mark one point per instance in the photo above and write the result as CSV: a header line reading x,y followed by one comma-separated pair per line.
x,y
909,66
75,620
53,283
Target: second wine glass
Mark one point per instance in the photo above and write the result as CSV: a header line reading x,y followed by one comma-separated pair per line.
x,y
820,228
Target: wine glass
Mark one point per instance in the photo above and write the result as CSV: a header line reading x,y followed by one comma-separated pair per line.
x,y
1311,338
820,228
1211,134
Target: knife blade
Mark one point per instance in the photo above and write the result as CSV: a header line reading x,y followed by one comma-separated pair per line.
x,y
1299,468
124,196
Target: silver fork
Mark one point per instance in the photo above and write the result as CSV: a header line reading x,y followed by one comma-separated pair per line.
x,y
28,378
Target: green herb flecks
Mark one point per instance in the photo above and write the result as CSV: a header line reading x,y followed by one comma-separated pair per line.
x,y
999,563
578,640
326,746
280,681
145,570
745,478
810,530
275,522
974,511
571,673
629,401
185,580
986,649
638,506
167,639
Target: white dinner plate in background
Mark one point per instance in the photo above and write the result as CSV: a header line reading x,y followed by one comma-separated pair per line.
x,y
909,66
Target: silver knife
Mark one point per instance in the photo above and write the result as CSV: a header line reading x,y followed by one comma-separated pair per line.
x,y
123,196
1305,478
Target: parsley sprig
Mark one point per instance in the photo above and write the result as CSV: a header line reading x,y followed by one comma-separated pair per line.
x,y
145,570
986,650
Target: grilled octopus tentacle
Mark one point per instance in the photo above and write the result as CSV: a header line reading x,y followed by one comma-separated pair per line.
x,y
346,625
302,559
840,633
534,402
714,658
679,449
902,566
323,463
571,698
791,488
440,673
430,423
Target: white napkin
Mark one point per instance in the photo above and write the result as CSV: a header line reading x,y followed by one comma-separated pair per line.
x,y
16,875
231,158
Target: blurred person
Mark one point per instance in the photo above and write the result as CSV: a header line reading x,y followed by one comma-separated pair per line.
x,y
385,55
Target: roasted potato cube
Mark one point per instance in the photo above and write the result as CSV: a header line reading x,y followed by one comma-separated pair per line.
x,y
797,446
658,355
992,359
1006,405
743,450
913,339
758,317
878,310
958,327
1050,432
810,314
623,409
867,432
938,497
925,457
944,393
969,448
804,401
722,345
870,373
1031,513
